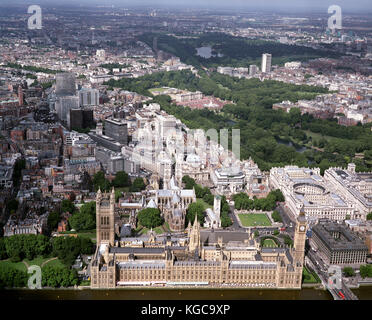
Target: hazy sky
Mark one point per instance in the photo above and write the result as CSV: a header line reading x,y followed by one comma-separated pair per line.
x,y
305,5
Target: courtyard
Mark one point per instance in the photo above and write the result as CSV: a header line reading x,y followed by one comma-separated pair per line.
x,y
254,220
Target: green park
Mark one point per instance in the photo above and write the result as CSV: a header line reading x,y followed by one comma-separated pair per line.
x,y
254,220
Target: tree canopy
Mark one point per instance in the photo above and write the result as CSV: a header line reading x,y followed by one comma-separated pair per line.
x,y
138,185
85,219
28,246
195,208
121,180
150,218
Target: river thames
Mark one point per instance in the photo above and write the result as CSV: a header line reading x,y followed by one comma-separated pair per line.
x,y
167,294
363,293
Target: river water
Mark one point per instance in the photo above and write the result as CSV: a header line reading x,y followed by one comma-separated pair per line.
x,y
363,293
167,294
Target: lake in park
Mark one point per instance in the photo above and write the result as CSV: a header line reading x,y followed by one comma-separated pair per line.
x,y
206,52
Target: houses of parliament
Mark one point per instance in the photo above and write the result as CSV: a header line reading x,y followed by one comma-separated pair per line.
x,y
195,257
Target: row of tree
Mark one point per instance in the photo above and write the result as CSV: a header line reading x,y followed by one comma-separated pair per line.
x,y
243,202
24,246
51,276
366,271
121,180
10,277
55,277
29,246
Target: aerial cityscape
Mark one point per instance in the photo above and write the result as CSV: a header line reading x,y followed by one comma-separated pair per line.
x,y
195,150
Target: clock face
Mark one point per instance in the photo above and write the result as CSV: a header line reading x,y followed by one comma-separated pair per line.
x,y
302,228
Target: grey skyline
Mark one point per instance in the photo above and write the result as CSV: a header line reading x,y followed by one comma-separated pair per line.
x,y
290,5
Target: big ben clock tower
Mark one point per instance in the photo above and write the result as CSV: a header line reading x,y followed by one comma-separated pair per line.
x,y
300,237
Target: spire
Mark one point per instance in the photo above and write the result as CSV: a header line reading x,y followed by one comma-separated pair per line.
x,y
196,220
302,216
302,210
112,195
99,195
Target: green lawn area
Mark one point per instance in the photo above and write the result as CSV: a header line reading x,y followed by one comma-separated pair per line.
x,y
254,219
37,261
88,234
142,231
85,283
269,243
309,277
318,136
55,263
18,265
204,204
159,230
91,234
157,89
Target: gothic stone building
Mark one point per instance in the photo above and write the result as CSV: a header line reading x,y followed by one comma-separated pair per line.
x,y
188,260
173,203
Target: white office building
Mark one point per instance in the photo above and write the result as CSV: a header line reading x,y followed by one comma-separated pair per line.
x,y
266,63
306,188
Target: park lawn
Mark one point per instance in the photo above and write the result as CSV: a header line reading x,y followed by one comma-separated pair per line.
x,y
159,230
254,220
203,203
318,136
309,277
157,89
55,263
38,261
269,243
88,234
85,283
18,265
143,231
91,234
